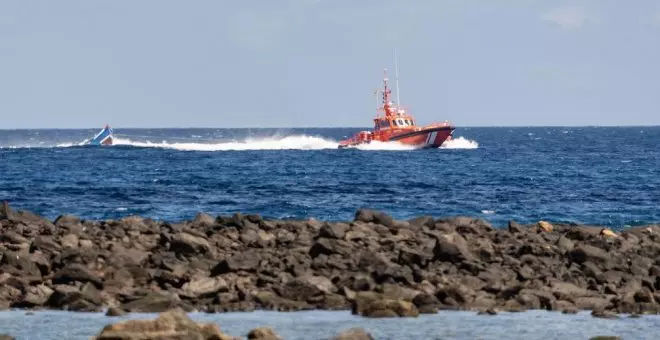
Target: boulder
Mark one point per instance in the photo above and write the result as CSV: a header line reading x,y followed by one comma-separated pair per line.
x,y
152,303
205,287
36,296
329,246
306,287
245,261
76,273
389,308
263,333
70,241
353,334
188,244
515,228
585,252
378,217
170,325
115,311
452,248
333,230
545,226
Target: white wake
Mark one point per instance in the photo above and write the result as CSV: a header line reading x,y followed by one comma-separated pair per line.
x,y
273,143
294,142
460,143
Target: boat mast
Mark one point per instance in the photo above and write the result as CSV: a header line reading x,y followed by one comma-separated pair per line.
x,y
386,96
396,66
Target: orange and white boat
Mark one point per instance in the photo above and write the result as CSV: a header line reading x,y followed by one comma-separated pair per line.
x,y
396,125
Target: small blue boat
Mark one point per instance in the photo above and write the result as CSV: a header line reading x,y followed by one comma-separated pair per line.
x,y
103,138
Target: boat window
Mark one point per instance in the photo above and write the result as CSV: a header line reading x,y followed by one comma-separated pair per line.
x,y
401,123
394,122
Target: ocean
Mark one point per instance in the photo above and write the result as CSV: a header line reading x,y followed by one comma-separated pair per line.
x,y
318,325
597,175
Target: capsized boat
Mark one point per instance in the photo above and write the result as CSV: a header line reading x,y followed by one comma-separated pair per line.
x,y
103,138
396,125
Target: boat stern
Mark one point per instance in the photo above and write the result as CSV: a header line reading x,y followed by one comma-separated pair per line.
x,y
362,137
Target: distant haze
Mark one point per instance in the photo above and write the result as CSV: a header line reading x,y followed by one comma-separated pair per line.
x,y
316,63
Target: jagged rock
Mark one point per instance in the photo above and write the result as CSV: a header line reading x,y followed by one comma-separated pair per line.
x,y
333,230
306,287
187,244
327,246
36,296
5,211
245,261
76,273
515,228
584,253
452,248
18,264
204,287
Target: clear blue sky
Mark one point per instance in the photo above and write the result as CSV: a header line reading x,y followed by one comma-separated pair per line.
x,y
304,63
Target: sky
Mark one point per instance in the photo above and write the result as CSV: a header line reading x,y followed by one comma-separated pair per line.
x,y
316,63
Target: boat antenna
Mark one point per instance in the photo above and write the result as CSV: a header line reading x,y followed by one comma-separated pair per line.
x,y
396,66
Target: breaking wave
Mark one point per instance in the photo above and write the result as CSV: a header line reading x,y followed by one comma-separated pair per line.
x,y
460,143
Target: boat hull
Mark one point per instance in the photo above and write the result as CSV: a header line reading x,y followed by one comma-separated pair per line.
x,y
103,138
425,138
429,138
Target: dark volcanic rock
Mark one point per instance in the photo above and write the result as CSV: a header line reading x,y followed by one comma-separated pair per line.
x,y
76,273
153,303
452,248
245,261
374,265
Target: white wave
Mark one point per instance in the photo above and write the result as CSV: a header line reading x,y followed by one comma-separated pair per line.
x,y
488,212
302,142
67,145
460,143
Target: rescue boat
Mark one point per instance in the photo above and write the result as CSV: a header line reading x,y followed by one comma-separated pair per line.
x,y
396,125
102,138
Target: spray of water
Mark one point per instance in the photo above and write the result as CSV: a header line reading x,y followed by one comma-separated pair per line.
x,y
460,143
294,142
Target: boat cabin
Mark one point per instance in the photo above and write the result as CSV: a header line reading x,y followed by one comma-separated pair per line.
x,y
398,120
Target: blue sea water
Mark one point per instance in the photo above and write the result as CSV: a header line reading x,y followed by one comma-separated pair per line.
x,y
597,175
531,325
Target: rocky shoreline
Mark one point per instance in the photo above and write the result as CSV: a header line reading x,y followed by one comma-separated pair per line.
x,y
374,266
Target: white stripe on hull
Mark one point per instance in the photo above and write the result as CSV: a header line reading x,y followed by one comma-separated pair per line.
x,y
430,140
